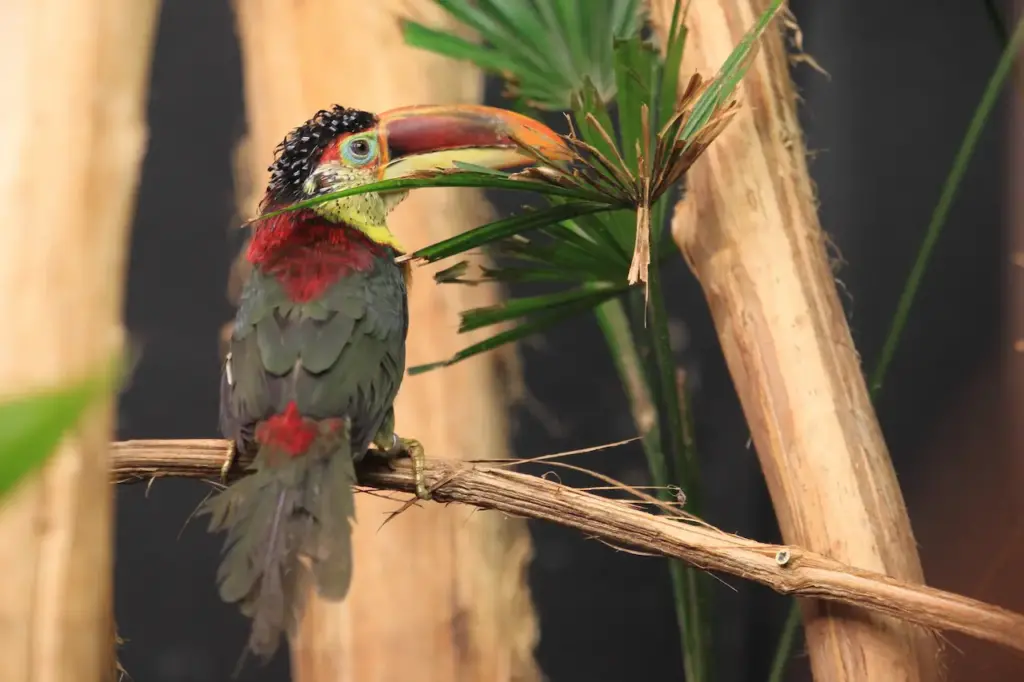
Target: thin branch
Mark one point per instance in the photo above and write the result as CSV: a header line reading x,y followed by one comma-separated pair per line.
x,y
785,569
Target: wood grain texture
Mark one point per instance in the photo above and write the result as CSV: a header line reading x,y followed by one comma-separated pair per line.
x,y
749,230
440,593
72,135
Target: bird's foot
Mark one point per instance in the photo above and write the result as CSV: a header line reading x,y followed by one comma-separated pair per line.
x,y
412,449
229,461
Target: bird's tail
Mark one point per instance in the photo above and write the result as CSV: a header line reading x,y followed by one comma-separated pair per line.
x,y
287,523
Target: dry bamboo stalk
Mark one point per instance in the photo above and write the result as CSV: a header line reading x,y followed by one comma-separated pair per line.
x,y
445,587
749,229
786,569
72,135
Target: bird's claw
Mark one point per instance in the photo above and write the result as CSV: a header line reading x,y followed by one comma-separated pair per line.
x,y
417,454
390,445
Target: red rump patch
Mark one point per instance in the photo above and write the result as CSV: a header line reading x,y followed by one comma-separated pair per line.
x,y
287,431
307,254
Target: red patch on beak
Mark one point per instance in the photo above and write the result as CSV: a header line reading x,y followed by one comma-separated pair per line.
x,y
416,135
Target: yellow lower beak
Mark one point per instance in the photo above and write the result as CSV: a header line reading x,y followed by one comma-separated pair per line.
x,y
434,137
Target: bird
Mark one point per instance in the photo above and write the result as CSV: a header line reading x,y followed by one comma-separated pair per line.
x,y
316,353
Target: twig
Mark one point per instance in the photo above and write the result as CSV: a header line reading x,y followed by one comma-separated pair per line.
x,y
786,569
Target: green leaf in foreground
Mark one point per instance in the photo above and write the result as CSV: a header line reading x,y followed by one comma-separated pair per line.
x,y
544,49
549,317
478,318
32,426
729,75
508,227
488,180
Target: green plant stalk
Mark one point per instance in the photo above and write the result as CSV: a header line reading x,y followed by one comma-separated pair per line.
x,y
688,612
614,323
787,640
942,209
899,322
684,463
684,460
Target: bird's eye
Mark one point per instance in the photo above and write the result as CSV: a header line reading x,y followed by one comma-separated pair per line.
x,y
359,150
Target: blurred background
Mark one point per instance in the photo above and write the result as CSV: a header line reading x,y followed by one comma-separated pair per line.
x,y
882,128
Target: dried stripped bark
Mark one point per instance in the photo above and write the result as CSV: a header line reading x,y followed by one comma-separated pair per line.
x,y
623,522
749,229
72,132
444,587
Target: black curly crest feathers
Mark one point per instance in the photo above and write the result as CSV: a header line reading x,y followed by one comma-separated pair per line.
x,y
300,151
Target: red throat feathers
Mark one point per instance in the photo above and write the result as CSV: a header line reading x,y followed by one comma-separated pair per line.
x,y
307,253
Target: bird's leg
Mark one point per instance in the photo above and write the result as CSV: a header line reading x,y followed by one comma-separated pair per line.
x,y
391,445
229,461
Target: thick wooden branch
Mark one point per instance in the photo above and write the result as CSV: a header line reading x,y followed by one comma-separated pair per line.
x,y
785,569
75,76
749,229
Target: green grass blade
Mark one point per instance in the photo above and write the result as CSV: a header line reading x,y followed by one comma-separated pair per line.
x,y
560,247
534,325
614,324
492,30
520,18
570,15
787,639
533,273
502,229
604,256
448,45
695,627
454,179
729,75
948,194
601,228
559,54
32,426
668,91
626,18
573,260
631,96
589,102
515,308
457,274
570,258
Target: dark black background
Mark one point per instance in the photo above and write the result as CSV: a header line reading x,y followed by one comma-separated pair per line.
x,y
883,129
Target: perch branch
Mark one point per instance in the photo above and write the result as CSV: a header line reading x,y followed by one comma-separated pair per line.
x,y
785,569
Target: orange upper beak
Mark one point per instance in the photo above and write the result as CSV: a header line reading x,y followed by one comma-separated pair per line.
x,y
434,137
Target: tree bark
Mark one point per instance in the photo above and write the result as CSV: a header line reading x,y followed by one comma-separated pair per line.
x,y
749,229
72,135
443,586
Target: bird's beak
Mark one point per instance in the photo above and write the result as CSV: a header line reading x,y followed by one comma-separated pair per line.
x,y
433,137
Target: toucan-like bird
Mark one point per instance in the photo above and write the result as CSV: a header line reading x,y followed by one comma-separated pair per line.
x,y
317,352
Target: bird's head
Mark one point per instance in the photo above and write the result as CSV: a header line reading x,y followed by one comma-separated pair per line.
x,y
343,148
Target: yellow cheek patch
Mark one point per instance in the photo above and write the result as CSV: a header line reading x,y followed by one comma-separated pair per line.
x,y
366,213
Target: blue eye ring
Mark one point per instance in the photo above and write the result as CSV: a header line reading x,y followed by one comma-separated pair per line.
x,y
359,150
